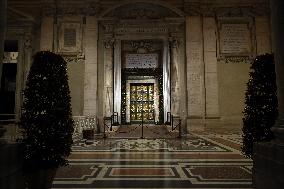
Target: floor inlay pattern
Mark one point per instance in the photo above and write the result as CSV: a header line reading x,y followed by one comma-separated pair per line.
x,y
199,160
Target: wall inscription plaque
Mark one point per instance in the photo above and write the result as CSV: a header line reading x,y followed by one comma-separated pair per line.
x,y
235,39
136,60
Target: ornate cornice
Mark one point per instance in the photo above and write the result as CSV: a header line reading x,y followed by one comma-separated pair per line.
x,y
174,42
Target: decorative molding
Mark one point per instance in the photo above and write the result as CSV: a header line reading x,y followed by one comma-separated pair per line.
x,y
130,27
237,59
70,11
174,42
109,43
75,58
142,46
141,13
234,12
108,26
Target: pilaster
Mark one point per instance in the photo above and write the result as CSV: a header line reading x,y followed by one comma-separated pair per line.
x,y
263,35
175,81
91,61
108,75
47,33
210,61
194,61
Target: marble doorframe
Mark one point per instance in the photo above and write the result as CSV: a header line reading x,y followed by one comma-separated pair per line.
x,y
117,69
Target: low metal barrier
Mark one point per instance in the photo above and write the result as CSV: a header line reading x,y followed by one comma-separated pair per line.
x,y
109,122
174,122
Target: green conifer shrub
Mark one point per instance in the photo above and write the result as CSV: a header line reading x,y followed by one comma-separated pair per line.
x,y
46,114
261,108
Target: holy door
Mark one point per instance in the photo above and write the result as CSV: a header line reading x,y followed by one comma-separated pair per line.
x,y
142,102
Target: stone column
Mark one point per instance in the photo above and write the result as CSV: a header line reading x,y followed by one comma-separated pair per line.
x,y
90,82
25,48
174,76
210,61
3,21
108,76
277,21
166,79
117,79
27,55
268,157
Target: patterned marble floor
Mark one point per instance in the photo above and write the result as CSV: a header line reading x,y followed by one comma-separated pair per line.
x,y
198,160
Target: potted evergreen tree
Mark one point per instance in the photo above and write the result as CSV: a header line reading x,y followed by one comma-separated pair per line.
x,y
261,102
46,119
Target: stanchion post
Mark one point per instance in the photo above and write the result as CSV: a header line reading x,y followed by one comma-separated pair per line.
x,y
111,121
142,124
104,128
179,129
172,122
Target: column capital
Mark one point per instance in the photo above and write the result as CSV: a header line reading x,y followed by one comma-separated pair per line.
x,y
174,42
28,40
109,43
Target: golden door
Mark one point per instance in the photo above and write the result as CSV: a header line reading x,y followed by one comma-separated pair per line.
x,y
141,102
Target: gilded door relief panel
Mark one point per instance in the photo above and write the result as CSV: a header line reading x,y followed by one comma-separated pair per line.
x,y
142,97
142,102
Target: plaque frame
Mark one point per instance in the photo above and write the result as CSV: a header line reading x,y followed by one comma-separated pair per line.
x,y
233,56
72,50
158,52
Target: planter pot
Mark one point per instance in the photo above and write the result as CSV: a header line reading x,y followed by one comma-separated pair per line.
x,y
88,134
11,172
40,179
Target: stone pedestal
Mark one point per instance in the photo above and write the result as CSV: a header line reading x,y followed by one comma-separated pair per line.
x,y
268,166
